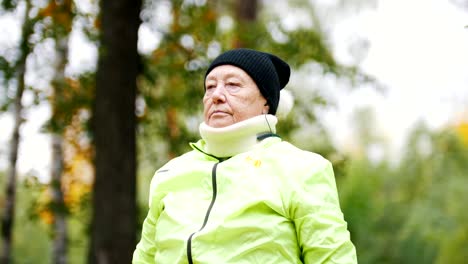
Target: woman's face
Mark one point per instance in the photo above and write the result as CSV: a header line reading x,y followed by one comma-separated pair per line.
x,y
231,96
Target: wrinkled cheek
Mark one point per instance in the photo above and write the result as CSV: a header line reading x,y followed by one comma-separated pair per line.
x,y
206,108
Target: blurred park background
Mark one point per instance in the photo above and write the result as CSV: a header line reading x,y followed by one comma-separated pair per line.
x,y
96,95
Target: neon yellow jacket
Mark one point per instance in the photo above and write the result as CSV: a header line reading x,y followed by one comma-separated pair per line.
x,y
273,204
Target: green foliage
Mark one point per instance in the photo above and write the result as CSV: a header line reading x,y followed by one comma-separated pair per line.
x,y
317,50
6,74
33,236
6,70
8,4
71,97
411,213
27,227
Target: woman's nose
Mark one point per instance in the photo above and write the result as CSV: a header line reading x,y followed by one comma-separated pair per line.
x,y
218,94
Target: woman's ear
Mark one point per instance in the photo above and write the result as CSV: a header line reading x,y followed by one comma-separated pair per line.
x,y
266,109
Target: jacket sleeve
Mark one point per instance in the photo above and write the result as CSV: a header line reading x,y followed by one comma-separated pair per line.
x,y
146,249
321,229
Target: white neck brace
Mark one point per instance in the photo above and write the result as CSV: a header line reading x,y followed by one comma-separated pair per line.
x,y
236,138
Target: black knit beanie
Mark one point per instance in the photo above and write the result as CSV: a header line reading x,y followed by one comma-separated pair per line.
x,y
269,72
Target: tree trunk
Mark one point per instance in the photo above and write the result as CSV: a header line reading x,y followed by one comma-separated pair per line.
x,y
59,248
114,125
173,132
246,10
9,214
246,15
62,15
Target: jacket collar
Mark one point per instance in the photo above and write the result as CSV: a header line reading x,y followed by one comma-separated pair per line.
x,y
236,138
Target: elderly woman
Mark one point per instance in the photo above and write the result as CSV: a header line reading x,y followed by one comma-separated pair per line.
x,y
242,195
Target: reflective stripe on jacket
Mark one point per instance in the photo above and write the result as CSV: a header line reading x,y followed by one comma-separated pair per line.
x,y
273,204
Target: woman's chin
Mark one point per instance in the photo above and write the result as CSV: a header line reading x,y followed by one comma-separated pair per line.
x,y
220,122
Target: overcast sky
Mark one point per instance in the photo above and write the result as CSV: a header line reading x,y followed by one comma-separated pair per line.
x,y
417,48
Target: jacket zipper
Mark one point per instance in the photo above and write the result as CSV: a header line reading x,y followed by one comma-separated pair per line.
x,y
207,215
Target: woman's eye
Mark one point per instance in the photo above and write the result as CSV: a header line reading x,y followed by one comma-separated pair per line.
x,y
231,84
